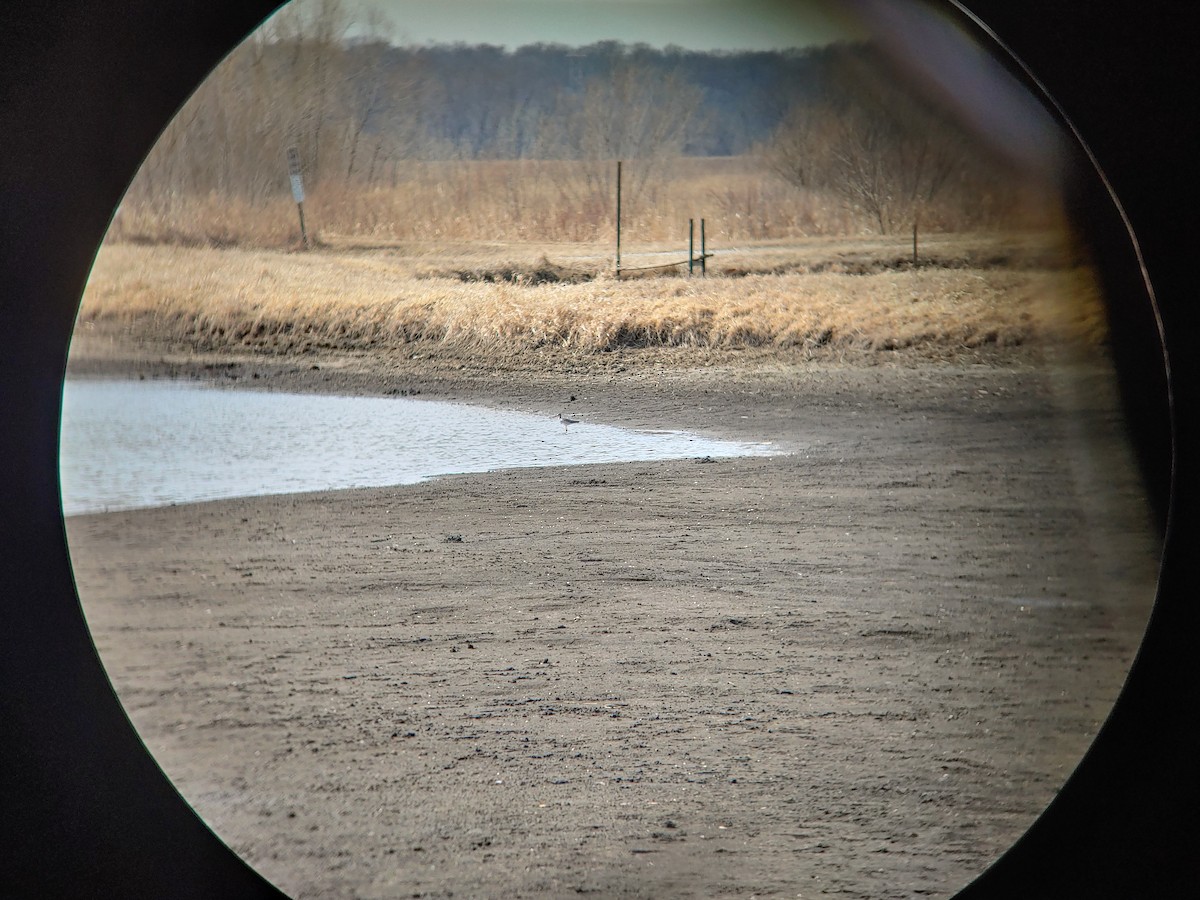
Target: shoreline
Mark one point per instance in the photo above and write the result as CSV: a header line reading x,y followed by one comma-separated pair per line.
x,y
708,384
411,440
862,668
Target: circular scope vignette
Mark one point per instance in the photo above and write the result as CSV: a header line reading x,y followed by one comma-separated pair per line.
x,y
890,637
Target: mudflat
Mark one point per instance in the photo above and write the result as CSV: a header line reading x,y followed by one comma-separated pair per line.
x,y
859,669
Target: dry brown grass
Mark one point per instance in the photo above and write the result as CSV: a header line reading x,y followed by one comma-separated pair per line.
x,y
390,296
522,200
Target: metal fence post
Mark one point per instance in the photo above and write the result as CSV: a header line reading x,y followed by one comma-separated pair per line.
x,y
691,246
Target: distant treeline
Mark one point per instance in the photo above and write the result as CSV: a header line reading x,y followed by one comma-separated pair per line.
x,y
482,102
358,109
832,125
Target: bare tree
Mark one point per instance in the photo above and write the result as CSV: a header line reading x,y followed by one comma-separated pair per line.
x,y
379,118
311,88
883,153
632,114
295,81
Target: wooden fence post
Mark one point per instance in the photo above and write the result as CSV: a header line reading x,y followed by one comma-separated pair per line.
x,y
618,220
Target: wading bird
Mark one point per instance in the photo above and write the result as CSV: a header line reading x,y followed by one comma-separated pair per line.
x,y
566,422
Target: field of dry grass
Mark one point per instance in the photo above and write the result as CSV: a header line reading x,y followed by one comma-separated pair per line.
x,y
533,201
817,297
512,200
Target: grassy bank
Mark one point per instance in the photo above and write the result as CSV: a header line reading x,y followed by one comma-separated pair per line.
x,y
819,297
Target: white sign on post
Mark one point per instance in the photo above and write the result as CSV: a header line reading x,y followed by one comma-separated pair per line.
x,y
293,160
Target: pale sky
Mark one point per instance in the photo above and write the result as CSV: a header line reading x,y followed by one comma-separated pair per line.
x,y
693,24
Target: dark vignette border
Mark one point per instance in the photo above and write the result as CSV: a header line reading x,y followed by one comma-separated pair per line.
x,y
1127,823
85,87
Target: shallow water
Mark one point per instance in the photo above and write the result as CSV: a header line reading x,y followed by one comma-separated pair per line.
x,y
133,444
